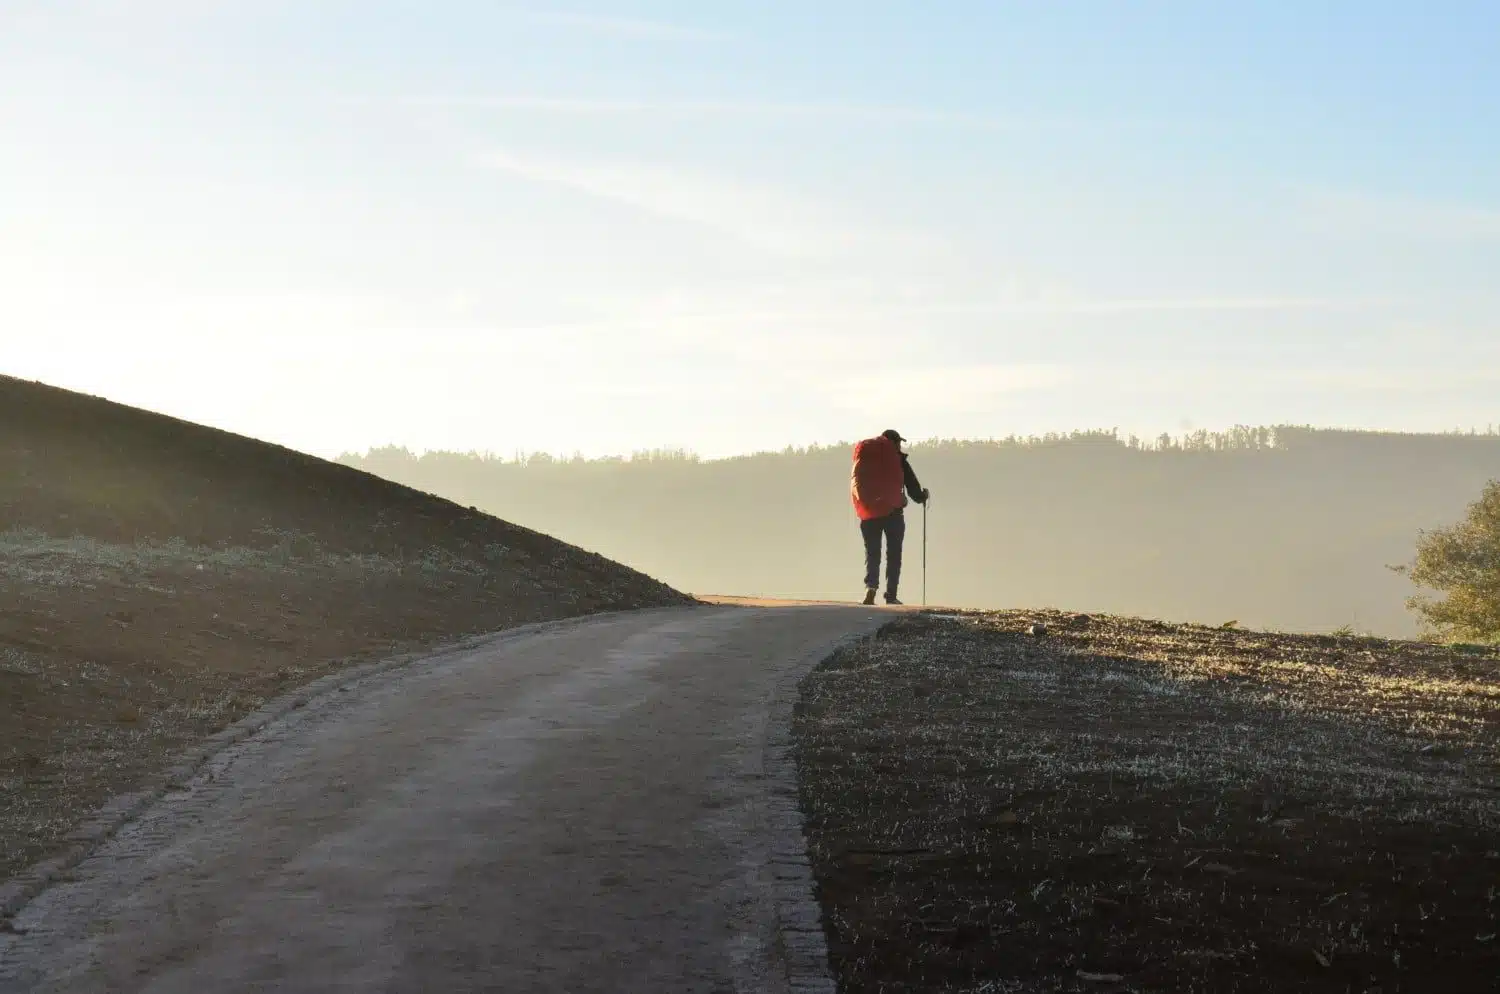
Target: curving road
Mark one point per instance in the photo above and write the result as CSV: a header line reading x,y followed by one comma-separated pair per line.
x,y
577,807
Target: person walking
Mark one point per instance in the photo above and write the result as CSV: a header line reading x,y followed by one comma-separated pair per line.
x,y
882,484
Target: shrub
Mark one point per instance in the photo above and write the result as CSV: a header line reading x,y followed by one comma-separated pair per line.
x,y
1463,563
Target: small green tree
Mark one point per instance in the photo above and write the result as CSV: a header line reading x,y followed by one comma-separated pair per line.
x,y
1463,562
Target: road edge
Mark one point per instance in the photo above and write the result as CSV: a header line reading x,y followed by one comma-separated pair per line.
x,y
28,884
799,916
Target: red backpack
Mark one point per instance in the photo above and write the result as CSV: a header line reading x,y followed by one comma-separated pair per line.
x,y
877,481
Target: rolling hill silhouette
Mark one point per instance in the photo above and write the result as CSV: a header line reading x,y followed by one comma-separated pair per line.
x,y
1285,527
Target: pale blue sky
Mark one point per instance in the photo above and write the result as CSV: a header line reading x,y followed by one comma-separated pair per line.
x,y
732,226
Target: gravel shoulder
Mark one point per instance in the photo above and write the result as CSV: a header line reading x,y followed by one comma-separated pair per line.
x,y
1123,805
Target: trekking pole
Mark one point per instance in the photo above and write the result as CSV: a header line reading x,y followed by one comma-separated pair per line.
x,y
924,548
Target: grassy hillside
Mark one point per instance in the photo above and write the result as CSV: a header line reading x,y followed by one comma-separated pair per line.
x,y
159,579
1286,528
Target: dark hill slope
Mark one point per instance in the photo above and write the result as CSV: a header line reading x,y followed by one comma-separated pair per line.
x,y
159,579
71,464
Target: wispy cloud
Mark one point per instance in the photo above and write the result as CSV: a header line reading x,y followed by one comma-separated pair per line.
x,y
1407,379
1166,376
624,27
765,217
1042,306
126,20
957,389
812,111
1163,305
1359,213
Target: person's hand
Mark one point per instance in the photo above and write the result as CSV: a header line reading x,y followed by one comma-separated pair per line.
x,y
926,495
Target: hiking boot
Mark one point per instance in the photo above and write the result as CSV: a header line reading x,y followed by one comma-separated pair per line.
x,y
869,596
891,600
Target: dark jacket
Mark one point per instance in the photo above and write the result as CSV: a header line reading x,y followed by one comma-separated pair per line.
x,y
913,485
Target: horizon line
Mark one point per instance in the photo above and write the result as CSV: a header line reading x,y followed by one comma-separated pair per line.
x,y
1148,443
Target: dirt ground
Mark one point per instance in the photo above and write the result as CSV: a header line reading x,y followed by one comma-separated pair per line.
x,y
1120,805
159,580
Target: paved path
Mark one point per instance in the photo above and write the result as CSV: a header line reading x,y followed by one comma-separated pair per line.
x,y
578,808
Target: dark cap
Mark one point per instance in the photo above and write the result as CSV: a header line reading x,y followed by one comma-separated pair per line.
x,y
893,435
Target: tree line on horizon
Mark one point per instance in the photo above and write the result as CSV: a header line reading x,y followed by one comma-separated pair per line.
x,y
1281,527
1237,439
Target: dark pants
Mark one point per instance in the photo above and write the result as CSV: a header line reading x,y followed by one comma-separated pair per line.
x,y
893,527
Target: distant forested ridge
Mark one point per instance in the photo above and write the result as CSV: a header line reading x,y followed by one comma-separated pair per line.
x,y
1279,527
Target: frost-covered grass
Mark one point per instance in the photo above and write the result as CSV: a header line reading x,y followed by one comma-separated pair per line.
x,y
1182,808
31,557
21,662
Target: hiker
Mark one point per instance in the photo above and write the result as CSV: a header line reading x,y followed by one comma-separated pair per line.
x,y
881,483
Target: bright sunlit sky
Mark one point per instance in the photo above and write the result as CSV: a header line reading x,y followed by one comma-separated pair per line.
x,y
610,226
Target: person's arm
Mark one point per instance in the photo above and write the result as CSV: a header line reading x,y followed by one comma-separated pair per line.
x,y
913,485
